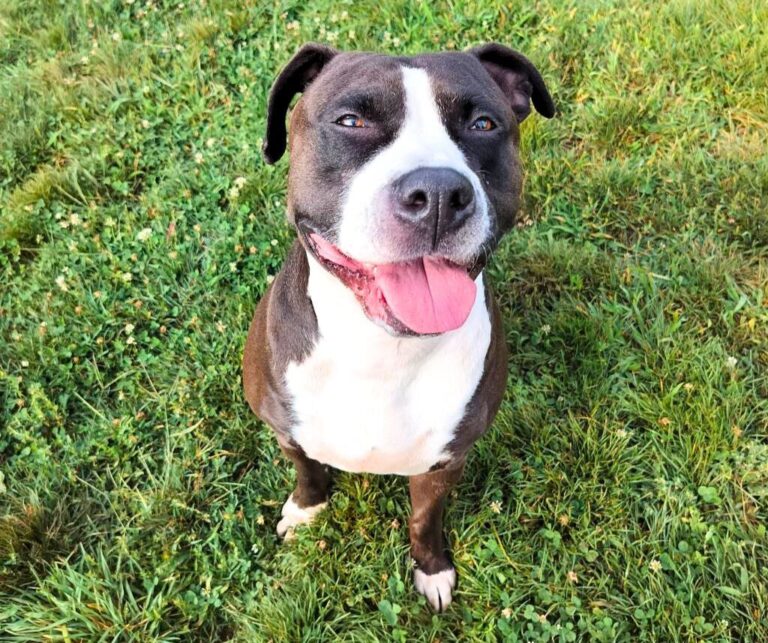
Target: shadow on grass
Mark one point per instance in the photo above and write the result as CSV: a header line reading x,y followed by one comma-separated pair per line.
x,y
38,532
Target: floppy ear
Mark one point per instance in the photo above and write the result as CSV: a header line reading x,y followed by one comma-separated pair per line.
x,y
520,81
300,71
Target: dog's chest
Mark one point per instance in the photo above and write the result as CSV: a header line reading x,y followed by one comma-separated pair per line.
x,y
366,401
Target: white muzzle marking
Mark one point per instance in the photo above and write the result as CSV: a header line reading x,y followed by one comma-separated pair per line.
x,y
422,141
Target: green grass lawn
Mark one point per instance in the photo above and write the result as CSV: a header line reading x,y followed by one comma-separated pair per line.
x,y
622,493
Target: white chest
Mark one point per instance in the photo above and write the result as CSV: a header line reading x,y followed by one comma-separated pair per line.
x,y
366,401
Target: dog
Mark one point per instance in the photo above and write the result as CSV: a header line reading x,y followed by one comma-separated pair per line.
x,y
379,347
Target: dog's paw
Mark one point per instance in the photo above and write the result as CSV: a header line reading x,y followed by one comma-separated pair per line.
x,y
438,588
294,515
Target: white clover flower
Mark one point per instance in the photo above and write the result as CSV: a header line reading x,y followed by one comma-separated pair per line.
x,y
144,234
199,158
731,362
62,283
129,328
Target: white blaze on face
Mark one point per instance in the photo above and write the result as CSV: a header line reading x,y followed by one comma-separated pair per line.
x,y
422,141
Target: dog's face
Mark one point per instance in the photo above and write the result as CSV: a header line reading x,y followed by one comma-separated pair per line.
x,y
404,171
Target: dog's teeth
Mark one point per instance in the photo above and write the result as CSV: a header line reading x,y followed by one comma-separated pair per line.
x,y
438,588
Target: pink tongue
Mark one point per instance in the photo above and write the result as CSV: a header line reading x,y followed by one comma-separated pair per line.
x,y
428,295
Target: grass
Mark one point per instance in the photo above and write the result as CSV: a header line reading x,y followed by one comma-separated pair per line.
x,y
622,493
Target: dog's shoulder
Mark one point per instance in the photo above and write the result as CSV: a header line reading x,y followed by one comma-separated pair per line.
x,y
291,319
283,330
488,395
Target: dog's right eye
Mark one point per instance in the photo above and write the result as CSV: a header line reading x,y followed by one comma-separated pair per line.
x,y
350,120
483,124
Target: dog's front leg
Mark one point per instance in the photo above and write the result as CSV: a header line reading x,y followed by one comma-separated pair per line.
x,y
313,481
435,575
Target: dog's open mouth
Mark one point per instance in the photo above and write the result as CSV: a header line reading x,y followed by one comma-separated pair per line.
x,y
424,296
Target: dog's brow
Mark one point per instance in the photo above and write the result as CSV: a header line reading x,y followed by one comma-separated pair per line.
x,y
361,101
468,103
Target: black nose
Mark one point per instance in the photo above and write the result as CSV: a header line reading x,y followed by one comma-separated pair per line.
x,y
437,199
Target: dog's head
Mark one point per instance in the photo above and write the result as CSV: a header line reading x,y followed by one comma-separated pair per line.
x,y
404,171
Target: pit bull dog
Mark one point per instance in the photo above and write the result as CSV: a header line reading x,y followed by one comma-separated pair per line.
x,y
378,347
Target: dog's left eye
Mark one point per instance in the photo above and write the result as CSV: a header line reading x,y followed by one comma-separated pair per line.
x,y
350,120
483,124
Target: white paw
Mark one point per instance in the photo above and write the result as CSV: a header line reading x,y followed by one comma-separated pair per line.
x,y
294,515
436,587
